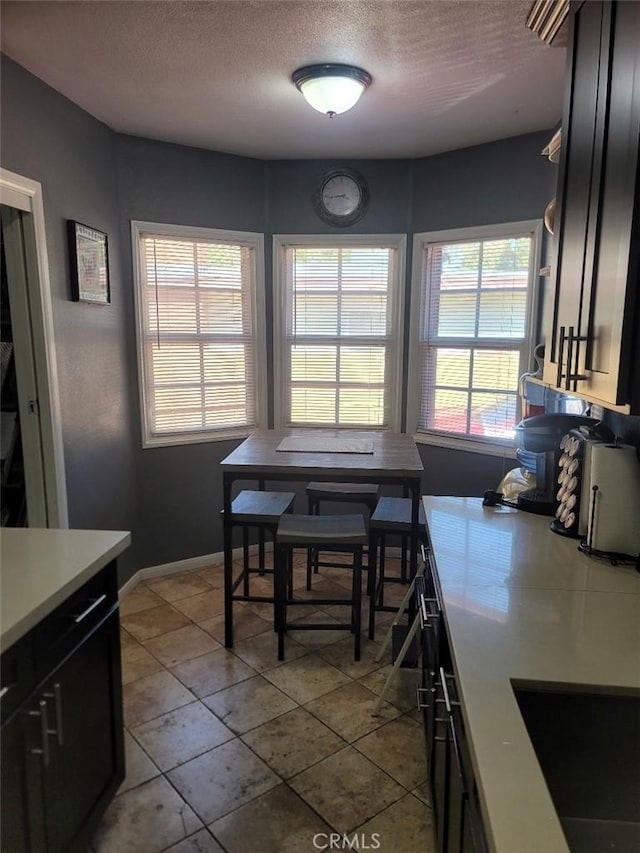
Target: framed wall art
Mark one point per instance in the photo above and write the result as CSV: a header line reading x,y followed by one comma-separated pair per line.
x,y
89,263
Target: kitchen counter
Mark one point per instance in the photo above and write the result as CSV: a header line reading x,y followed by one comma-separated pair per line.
x,y
40,568
523,604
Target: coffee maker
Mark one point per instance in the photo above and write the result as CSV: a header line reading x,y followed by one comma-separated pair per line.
x,y
538,449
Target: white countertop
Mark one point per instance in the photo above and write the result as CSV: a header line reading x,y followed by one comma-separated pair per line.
x,y
521,603
41,568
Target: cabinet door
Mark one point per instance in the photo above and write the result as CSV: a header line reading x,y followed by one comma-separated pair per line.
x,y
607,355
87,759
575,183
21,828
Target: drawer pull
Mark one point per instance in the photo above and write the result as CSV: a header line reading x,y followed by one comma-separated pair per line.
x,y
44,731
57,697
5,690
91,607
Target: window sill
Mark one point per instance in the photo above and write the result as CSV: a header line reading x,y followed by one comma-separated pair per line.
x,y
148,443
467,445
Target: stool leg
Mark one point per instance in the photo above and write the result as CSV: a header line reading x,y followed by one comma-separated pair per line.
x,y
261,551
281,571
245,559
403,559
383,549
357,600
371,558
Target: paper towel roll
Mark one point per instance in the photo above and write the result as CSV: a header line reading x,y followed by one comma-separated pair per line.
x,y
615,470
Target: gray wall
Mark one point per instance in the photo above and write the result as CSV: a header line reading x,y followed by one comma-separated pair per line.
x,y
47,138
171,497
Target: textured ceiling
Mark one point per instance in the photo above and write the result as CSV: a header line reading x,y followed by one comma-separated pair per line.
x,y
446,73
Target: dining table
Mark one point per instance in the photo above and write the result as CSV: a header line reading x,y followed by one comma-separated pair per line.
x,y
319,455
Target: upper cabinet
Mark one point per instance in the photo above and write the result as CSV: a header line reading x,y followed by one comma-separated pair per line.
x,y
595,325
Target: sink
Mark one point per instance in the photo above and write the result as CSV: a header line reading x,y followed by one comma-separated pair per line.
x,y
588,747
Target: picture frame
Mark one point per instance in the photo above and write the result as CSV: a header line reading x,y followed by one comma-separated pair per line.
x,y
89,264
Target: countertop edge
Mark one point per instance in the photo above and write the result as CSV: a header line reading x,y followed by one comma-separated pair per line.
x,y
17,630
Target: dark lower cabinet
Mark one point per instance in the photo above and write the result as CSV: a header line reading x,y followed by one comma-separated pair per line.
x,y
458,822
62,748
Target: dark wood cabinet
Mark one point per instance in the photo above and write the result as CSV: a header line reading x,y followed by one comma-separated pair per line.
x,y
596,307
62,746
456,811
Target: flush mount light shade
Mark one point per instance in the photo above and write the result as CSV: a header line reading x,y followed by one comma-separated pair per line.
x,y
331,89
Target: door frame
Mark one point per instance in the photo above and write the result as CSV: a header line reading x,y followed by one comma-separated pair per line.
x,y
25,194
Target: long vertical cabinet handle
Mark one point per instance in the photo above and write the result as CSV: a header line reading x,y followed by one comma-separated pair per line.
x,y
560,375
572,374
57,697
43,750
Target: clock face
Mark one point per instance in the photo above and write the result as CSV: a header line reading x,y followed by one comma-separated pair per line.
x,y
341,197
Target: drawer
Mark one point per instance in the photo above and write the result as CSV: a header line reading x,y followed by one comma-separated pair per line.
x,y
17,675
60,632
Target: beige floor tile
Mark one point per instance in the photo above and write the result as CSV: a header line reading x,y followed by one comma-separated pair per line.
x,y
181,735
145,820
209,673
306,678
137,662
293,742
399,749
182,644
401,691
222,779
258,584
139,599
150,623
151,696
340,655
213,575
249,704
245,624
404,827
182,585
276,822
348,711
263,609
346,789
140,768
126,639
199,842
423,792
204,605
261,652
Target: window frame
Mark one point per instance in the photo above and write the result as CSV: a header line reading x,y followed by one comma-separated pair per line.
x,y
493,446
282,242
249,239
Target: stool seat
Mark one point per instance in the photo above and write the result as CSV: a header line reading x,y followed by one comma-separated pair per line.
x,y
306,530
366,493
395,514
260,507
337,533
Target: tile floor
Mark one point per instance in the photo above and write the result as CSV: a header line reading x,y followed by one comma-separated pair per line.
x,y
231,750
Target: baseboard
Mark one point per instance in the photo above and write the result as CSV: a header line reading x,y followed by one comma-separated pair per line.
x,y
194,563
188,565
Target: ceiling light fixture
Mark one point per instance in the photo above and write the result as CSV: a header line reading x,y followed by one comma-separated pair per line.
x,y
331,89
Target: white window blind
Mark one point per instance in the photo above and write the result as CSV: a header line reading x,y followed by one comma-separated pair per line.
x,y
197,336
340,337
474,333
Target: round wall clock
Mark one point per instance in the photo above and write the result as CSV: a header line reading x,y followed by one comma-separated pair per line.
x,y
341,197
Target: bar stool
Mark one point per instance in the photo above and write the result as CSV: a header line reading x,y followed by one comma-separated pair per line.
x,y
365,494
392,516
261,510
334,533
